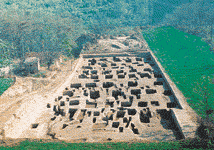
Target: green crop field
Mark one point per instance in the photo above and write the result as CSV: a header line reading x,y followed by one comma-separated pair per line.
x,y
5,84
188,61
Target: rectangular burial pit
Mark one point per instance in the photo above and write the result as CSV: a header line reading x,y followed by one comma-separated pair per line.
x,y
94,94
121,76
142,104
108,76
90,104
132,112
132,84
74,102
87,67
96,113
107,72
120,114
108,84
136,91
142,75
69,93
151,91
125,120
126,104
155,103
96,80
76,85
144,117
91,85
115,124
94,77
94,72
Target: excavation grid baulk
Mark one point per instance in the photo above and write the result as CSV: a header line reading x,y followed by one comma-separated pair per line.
x,y
118,96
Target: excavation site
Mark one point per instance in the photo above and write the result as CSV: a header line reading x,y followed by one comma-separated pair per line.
x,y
116,91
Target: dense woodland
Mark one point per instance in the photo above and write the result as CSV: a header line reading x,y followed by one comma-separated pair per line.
x,y
48,27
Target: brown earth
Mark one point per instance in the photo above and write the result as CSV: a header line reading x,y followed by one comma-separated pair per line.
x,y
25,87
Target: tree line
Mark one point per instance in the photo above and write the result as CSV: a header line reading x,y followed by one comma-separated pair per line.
x,y
49,27
53,26
196,17
23,33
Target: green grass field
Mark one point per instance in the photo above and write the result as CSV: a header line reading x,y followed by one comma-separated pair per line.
x,y
26,145
5,83
188,61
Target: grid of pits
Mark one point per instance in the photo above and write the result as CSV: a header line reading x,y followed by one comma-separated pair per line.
x,y
111,91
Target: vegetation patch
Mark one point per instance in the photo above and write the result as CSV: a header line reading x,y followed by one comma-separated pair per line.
x,y
189,63
189,144
5,83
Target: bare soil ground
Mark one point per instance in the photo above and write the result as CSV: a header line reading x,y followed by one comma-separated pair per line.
x,y
25,88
